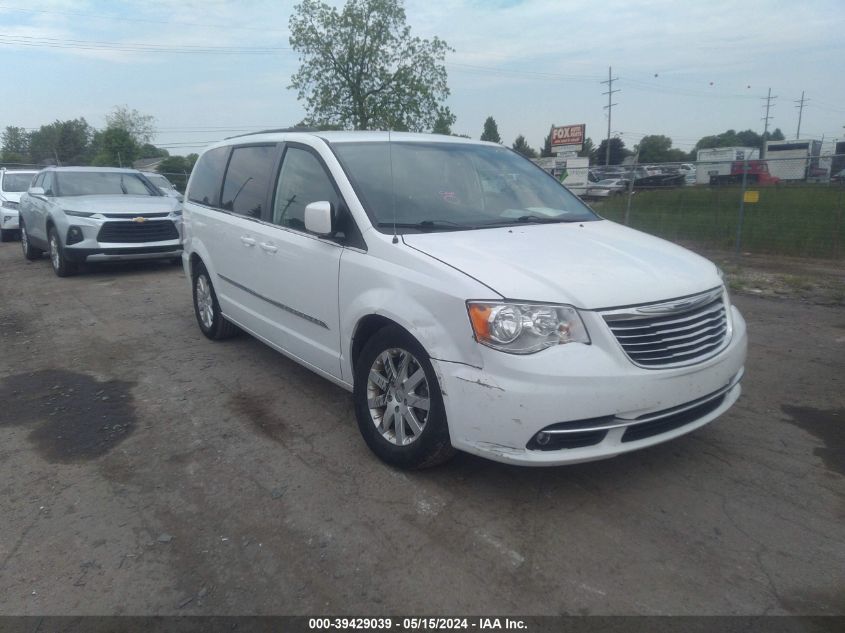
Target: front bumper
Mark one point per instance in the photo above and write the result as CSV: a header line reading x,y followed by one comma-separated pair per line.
x,y
497,411
9,219
121,252
90,249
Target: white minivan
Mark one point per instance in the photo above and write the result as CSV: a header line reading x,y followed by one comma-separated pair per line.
x,y
467,299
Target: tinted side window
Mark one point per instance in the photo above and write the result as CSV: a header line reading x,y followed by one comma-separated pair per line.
x,y
48,183
301,181
38,180
208,176
248,179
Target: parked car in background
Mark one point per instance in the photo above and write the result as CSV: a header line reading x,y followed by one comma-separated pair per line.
x,y
466,298
93,214
838,176
607,187
13,182
166,187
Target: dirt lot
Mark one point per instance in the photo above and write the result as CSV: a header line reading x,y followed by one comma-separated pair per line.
x,y
146,470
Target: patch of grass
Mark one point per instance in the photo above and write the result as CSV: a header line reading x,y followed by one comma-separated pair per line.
x,y
804,221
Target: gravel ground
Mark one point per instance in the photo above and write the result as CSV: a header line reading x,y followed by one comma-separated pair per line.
x,y
147,470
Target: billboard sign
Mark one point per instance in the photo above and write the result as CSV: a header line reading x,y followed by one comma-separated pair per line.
x,y
568,138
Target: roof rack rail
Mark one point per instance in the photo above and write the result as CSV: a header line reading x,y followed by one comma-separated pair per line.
x,y
296,128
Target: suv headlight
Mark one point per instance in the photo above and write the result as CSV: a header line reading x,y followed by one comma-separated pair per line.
x,y
525,328
78,214
9,204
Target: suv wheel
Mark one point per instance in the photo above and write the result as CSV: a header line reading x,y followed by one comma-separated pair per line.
x,y
398,402
28,250
61,266
212,323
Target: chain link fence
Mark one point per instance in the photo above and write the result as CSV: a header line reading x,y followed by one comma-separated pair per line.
x,y
774,205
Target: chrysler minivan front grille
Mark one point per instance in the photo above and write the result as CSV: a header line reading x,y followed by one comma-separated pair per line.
x,y
679,332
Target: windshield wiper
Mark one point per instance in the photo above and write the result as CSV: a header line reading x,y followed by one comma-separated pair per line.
x,y
540,219
429,225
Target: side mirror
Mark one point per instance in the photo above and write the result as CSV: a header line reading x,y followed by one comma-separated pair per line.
x,y
36,191
319,218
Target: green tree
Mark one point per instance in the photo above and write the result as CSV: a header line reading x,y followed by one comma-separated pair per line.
x,y
361,68
178,169
68,142
618,152
588,149
654,148
491,131
151,151
141,127
521,145
444,122
777,135
546,152
115,148
15,145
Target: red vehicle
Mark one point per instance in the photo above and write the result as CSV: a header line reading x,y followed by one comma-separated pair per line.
x,y
757,172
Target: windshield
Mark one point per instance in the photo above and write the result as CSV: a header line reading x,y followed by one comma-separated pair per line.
x,y
93,183
451,186
159,181
16,182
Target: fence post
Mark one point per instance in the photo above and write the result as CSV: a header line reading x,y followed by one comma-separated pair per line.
x,y
741,207
631,187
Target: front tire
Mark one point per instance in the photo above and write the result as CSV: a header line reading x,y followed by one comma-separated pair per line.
x,y
398,403
207,310
29,251
61,266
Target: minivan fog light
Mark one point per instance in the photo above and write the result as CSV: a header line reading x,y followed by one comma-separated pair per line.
x,y
520,328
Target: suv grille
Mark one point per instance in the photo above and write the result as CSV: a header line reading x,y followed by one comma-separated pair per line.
x,y
680,332
138,232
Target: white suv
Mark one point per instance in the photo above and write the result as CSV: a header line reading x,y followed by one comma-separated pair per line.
x,y
13,182
466,298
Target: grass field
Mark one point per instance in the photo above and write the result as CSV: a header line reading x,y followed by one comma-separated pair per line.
x,y
805,221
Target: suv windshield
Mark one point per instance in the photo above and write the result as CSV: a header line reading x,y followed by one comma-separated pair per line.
x,y
159,181
93,183
452,186
16,182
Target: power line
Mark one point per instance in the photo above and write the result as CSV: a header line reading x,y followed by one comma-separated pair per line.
x,y
800,107
609,108
766,118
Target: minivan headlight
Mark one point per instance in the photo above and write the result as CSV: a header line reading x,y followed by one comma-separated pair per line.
x,y
525,328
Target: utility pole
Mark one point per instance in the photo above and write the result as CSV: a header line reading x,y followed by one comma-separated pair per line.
x,y
800,107
609,108
766,119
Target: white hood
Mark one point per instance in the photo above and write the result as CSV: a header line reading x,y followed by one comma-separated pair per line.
x,y
589,265
119,204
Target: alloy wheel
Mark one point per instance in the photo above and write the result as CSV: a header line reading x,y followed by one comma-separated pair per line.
x,y
205,305
398,396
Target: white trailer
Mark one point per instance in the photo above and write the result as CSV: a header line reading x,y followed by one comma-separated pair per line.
x,y
793,160
718,161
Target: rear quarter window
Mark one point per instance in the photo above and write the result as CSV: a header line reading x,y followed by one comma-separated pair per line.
x,y
207,177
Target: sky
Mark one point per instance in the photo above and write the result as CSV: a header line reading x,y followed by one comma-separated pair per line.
x,y
211,69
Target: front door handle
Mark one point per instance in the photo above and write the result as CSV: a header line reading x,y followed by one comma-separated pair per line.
x,y
268,247
247,241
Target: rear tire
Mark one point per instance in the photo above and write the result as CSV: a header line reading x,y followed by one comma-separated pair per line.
x,y
29,251
398,403
207,310
61,266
